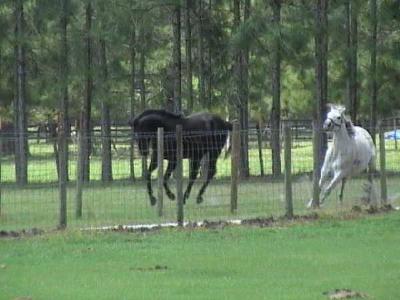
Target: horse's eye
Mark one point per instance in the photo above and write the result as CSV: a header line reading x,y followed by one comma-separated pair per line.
x,y
339,118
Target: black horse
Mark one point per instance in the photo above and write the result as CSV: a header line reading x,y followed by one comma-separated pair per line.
x,y
203,134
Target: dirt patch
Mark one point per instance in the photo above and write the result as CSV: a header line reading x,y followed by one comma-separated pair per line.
x,y
149,269
383,209
344,294
259,222
21,233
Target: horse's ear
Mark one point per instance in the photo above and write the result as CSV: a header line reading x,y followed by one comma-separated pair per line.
x,y
341,109
330,106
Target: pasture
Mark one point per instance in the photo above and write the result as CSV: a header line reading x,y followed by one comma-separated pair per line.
x,y
286,261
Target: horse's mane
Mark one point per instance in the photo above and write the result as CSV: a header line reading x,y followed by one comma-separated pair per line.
x,y
349,126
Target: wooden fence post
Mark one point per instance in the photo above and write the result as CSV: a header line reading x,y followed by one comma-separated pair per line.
x,y
382,158
62,175
160,164
79,175
179,174
316,164
1,157
288,170
260,154
395,132
132,156
235,161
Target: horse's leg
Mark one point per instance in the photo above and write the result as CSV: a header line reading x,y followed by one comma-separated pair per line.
x,y
194,169
341,190
152,167
326,191
170,168
212,169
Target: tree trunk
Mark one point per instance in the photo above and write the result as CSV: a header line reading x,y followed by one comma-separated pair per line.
x,y
321,76
276,90
87,103
372,79
209,58
241,84
142,66
106,162
352,93
64,75
176,20
21,143
202,91
188,48
132,48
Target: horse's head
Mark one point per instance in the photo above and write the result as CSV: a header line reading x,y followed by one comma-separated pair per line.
x,y
140,135
335,118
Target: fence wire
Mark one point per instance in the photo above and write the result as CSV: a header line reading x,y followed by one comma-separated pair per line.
x,y
125,199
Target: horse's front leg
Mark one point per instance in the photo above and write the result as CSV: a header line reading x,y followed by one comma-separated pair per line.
x,y
152,167
326,168
327,190
170,168
194,169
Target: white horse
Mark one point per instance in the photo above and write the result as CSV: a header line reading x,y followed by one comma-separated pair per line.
x,y
351,152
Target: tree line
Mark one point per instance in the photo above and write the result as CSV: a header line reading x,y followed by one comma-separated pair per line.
x,y
251,60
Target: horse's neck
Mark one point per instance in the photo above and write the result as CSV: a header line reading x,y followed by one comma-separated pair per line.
x,y
341,139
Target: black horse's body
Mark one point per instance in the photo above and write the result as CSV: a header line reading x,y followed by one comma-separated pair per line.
x,y
203,134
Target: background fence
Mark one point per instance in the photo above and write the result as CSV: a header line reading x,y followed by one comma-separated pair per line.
x,y
125,200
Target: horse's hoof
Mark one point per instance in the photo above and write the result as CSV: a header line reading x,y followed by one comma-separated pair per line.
x,y
310,204
199,199
153,200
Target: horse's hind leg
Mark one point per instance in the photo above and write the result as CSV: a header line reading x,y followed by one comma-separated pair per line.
x,y
170,168
194,169
152,167
212,169
341,190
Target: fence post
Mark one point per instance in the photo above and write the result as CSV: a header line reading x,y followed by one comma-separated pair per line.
x,y
1,157
179,174
62,175
235,161
395,132
260,154
382,159
288,170
160,164
79,175
132,156
316,163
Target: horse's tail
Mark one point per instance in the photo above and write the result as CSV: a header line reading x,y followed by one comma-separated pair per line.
x,y
229,127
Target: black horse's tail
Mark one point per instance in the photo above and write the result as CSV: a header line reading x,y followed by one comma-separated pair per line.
x,y
229,127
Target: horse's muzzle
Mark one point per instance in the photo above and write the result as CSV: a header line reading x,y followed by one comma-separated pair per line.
x,y
328,125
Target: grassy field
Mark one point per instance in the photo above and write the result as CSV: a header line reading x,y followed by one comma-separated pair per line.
x,y
42,168
298,261
128,203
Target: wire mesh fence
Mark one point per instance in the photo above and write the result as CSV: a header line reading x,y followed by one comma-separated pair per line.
x,y
126,199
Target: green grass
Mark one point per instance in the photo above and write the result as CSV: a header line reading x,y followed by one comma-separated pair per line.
x,y
42,168
128,203
287,262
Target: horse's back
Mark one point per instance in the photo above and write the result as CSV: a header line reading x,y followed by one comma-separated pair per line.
x,y
365,148
204,121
